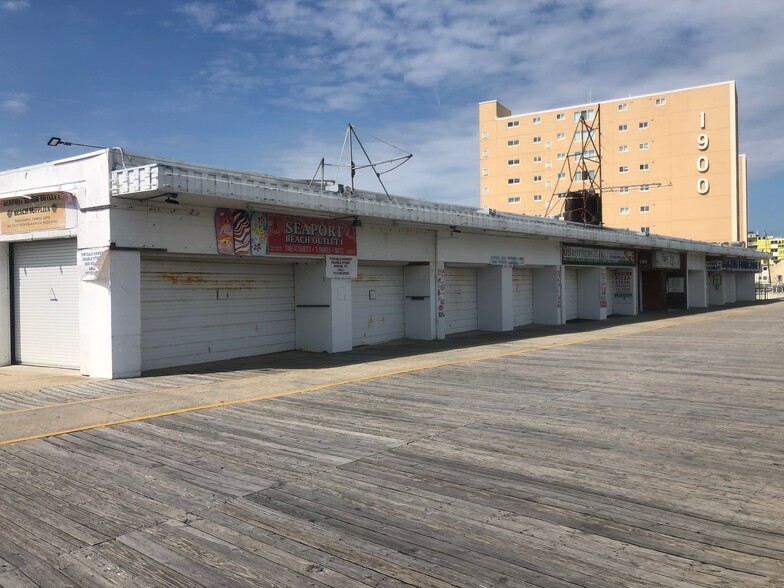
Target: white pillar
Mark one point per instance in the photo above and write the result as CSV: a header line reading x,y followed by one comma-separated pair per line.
x,y
589,288
419,285
440,300
110,318
697,289
716,283
494,294
323,309
5,306
730,296
548,295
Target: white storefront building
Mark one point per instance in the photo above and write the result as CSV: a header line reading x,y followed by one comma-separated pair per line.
x,y
115,264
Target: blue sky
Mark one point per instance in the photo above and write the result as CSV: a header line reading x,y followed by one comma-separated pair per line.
x,y
270,85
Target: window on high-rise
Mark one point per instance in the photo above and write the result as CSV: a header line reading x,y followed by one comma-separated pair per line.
x,y
583,114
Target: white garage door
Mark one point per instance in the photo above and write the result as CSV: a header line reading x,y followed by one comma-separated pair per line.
x,y
200,311
571,307
46,303
610,290
377,305
462,312
523,296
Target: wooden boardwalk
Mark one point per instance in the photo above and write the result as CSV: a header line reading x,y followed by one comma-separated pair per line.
x,y
650,459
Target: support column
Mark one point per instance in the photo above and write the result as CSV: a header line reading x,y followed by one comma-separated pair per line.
x,y
494,294
730,296
697,289
548,295
5,306
110,318
419,285
716,283
589,288
323,309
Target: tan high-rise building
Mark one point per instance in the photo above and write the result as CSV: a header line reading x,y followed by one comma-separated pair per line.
x,y
666,163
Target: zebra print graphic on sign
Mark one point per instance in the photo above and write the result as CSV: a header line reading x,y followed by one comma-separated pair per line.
x,y
241,232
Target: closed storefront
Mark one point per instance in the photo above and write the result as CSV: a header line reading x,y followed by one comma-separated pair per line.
x,y
461,300
205,310
571,294
46,303
377,304
523,296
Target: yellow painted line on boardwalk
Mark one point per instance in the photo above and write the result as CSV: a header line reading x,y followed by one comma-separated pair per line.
x,y
334,384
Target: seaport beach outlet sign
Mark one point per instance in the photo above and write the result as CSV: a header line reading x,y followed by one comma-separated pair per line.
x,y
239,232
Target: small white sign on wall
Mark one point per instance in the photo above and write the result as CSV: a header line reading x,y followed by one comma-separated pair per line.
x,y
341,266
90,262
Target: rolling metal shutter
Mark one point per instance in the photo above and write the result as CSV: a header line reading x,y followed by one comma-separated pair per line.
x,y
46,303
571,307
462,312
377,305
523,296
209,310
610,291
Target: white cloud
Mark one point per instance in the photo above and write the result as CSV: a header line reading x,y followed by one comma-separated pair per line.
x,y
15,5
341,55
204,14
14,103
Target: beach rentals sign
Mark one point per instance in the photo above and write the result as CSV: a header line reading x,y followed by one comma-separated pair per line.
x,y
240,232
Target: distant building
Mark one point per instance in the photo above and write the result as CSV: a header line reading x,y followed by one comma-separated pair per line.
x,y
772,271
669,161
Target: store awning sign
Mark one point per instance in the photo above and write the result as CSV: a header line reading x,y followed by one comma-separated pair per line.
x,y
578,255
291,235
30,213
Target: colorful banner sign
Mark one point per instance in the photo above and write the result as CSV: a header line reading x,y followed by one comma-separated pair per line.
x,y
36,212
291,235
579,255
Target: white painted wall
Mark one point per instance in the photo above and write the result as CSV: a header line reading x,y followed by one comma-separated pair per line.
x,y
744,286
495,298
548,295
730,294
697,289
626,305
716,296
110,317
5,306
323,309
588,280
419,284
479,248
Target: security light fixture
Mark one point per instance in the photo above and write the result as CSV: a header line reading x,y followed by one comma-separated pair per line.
x,y
55,141
171,198
454,229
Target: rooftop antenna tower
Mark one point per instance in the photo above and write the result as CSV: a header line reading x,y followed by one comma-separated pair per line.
x,y
349,139
582,169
